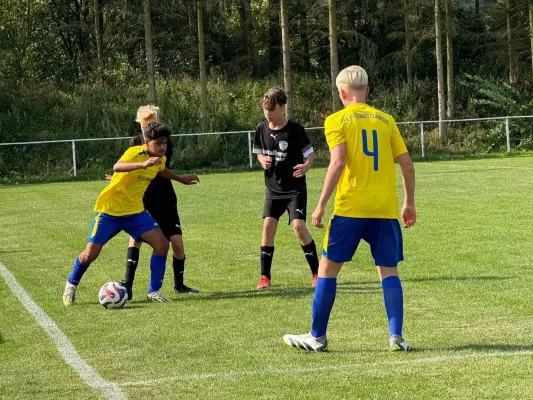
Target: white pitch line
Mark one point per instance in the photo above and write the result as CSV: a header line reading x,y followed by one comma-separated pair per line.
x,y
87,373
234,375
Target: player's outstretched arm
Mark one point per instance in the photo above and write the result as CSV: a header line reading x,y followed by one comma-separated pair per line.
x,y
333,175
408,178
301,169
191,179
128,166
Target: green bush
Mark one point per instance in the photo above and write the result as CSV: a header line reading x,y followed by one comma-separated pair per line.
x,y
37,113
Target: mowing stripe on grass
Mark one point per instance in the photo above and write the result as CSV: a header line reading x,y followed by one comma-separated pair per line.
x,y
87,373
234,375
484,167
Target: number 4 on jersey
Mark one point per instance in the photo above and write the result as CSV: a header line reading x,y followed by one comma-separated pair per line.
x,y
374,145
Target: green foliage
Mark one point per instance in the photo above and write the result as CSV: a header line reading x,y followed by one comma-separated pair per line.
x,y
487,98
44,112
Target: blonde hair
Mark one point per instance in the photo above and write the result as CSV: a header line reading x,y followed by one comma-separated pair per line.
x,y
148,114
353,77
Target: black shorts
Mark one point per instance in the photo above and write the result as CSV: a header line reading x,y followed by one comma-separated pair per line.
x,y
168,220
296,206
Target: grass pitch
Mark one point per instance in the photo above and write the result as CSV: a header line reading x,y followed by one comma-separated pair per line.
x,y
467,285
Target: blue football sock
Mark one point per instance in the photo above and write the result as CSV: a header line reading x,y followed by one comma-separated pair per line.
x,y
157,272
393,295
77,272
326,289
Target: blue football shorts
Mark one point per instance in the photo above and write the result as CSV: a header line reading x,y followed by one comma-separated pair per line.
x,y
105,226
383,235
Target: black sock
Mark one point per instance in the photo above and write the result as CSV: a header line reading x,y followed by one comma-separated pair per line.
x,y
179,268
311,256
131,265
267,253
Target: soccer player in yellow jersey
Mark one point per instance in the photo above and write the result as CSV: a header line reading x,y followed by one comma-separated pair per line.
x,y
119,207
363,143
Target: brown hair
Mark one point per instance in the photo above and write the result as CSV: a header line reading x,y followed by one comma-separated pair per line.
x,y
155,130
274,97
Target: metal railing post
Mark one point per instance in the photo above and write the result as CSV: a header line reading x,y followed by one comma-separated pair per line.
x,y
250,157
507,135
422,139
75,172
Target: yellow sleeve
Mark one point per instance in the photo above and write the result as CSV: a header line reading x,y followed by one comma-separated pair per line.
x,y
132,153
333,132
396,141
163,164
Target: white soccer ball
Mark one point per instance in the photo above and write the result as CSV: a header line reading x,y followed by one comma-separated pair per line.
x,y
113,295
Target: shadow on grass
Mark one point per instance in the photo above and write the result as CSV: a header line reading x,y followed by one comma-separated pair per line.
x,y
128,306
492,347
274,291
1,338
477,347
434,278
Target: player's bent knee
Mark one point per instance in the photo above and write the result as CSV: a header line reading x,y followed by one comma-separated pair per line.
x,y
385,272
329,268
299,228
161,245
178,250
89,255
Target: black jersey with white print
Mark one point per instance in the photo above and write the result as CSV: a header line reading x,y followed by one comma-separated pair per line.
x,y
288,147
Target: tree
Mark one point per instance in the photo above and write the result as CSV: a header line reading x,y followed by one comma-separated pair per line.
x,y
513,73
449,57
440,71
98,30
149,50
274,38
333,54
245,21
201,56
408,43
286,45
304,35
531,29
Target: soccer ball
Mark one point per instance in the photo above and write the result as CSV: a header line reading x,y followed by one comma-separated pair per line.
x,y
113,295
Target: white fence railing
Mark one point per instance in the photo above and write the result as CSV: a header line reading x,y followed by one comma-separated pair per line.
x,y
250,142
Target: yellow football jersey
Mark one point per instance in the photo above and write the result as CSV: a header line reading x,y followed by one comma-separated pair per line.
x,y
124,194
367,187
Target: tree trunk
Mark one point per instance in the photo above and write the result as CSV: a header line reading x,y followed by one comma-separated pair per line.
x,y
287,79
203,75
513,76
245,21
249,42
333,55
449,59
149,50
304,36
477,6
80,15
408,44
191,35
98,31
440,71
531,29
273,55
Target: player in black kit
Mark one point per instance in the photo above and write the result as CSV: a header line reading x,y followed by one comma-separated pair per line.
x,y
286,154
161,202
